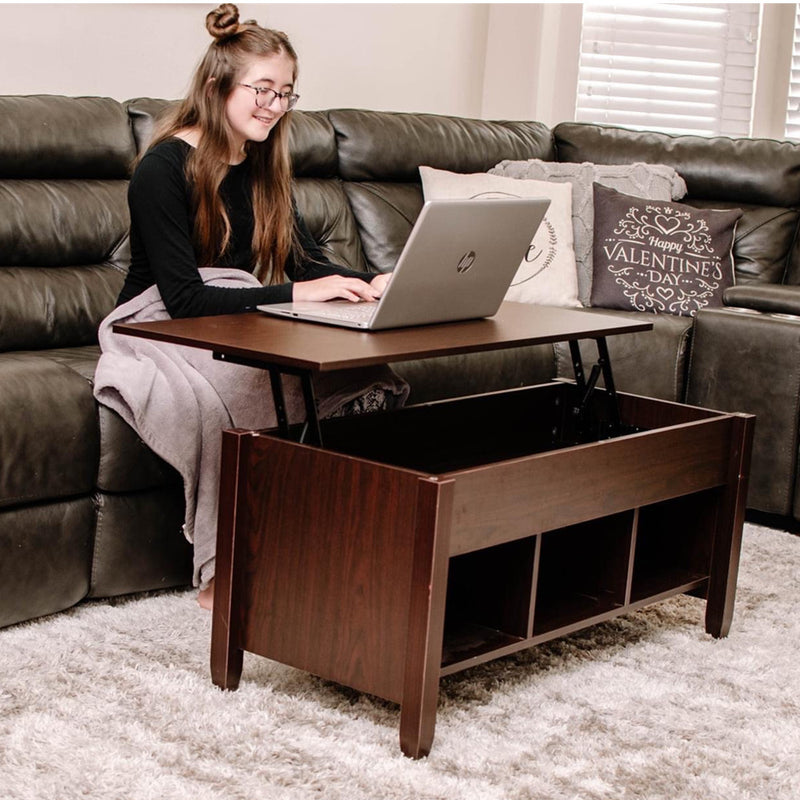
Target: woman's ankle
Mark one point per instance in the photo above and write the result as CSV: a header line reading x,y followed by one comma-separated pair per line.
x,y
205,597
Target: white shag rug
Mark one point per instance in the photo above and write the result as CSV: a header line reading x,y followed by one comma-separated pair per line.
x,y
114,702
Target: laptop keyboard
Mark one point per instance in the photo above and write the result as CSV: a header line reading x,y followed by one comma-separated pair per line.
x,y
352,312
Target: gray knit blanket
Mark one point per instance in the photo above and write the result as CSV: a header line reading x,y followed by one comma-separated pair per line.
x,y
179,400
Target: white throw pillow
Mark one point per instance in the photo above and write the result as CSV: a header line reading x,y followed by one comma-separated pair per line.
x,y
650,181
547,275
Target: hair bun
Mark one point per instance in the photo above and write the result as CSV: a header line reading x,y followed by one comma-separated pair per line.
x,y
223,21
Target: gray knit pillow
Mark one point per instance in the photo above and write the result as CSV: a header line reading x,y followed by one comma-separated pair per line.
x,y
651,181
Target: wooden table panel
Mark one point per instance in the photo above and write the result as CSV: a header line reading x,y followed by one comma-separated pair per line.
x,y
307,345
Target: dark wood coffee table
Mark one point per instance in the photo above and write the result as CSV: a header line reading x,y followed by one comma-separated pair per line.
x,y
420,542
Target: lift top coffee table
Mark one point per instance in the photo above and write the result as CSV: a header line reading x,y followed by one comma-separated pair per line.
x,y
387,550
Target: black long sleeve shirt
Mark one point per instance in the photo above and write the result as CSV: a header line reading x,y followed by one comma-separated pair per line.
x,y
162,249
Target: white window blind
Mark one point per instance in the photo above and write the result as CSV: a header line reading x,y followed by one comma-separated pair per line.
x,y
793,107
675,67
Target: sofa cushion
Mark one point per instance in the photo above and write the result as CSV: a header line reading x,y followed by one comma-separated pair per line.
x,y
329,217
139,543
385,214
143,113
312,142
749,362
61,223
126,464
383,146
55,307
49,442
651,363
477,373
660,256
64,165
655,181
63,256
757,171
765,237
546,274
52,137
45,557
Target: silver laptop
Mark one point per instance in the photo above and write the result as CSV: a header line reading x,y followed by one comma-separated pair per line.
x,y
457,264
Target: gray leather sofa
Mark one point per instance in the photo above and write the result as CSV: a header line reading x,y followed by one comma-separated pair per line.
x,y
86,511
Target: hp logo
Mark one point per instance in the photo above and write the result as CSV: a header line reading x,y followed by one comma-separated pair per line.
x,y
467,260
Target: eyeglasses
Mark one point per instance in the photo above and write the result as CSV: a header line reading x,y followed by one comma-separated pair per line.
x,y
266,97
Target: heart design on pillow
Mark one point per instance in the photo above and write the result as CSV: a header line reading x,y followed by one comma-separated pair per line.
x,y
665,293
667,225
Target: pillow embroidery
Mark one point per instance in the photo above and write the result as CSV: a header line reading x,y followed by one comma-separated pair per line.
x,y
660,256
547,274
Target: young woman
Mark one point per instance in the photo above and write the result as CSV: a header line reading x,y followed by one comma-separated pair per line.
x,y
214,190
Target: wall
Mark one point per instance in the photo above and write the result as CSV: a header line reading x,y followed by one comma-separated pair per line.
x,y
532,61
496,60
772,72
417,57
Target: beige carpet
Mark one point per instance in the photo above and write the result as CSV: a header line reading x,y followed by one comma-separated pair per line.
x,y
114,702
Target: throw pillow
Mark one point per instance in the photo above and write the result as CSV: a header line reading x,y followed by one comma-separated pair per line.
x,y
654,181
660,256
547,274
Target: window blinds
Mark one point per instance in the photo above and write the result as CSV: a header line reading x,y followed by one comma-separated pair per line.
x,y
793,107
675,67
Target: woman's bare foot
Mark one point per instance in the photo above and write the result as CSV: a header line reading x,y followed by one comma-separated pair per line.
x,y
205,598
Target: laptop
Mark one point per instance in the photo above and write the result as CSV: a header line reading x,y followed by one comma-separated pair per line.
x,y
457,264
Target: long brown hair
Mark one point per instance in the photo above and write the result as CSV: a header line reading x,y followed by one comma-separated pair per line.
x,y
274,234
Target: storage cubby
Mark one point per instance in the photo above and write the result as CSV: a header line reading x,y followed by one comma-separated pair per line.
x,y
673,544
488,600
582,572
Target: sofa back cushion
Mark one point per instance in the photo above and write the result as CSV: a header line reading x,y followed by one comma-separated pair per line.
x,y
64,166
319,192
356,172
380,154
760,176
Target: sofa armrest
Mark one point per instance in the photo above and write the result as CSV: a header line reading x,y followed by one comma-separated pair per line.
x,y
767,297
749,361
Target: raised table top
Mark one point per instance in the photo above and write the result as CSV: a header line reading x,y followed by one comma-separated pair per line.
x,y
306,345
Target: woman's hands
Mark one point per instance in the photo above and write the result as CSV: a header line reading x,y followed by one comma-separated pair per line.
x,y
380,282
332,287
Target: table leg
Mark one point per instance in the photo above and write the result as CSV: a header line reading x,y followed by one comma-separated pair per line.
x,y
426,618
604,362
226,652
728,531
312,432
577,365
279,401
312,426
586,388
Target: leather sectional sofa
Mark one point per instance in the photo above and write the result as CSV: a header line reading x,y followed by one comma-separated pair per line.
x,y
86,511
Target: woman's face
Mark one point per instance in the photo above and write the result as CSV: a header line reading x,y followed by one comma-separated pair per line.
x,y
249,121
